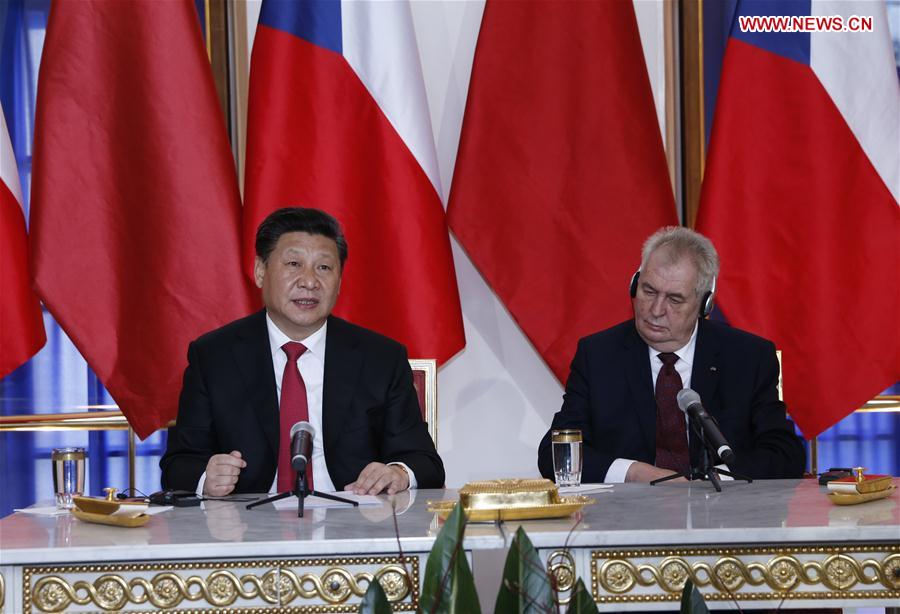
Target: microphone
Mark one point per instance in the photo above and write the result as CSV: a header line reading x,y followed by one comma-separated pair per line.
x,y
302,435
689,401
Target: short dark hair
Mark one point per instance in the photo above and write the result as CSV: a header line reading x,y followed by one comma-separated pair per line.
x,y
298,219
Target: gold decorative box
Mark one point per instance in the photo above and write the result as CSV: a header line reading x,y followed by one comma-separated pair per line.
x,y
861,488
511,499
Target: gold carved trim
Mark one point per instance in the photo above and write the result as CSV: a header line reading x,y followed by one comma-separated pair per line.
x,y
428,366
278,584
614,575
561,567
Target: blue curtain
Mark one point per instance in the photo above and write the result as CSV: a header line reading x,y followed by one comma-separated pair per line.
x,y
862,439
56,379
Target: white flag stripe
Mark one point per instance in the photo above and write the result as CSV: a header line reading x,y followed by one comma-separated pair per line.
x,y
857,70
9,173
380,45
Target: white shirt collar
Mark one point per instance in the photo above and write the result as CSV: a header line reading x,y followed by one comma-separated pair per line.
x,y
685,353
315,343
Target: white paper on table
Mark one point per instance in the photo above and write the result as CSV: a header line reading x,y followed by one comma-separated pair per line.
x,y
584,489
313,502
131,510
50,510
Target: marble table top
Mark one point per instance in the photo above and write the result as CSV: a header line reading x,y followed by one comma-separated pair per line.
x,y
693,513
773,511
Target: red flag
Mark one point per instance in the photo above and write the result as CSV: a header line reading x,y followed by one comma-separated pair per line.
x,y
800,198
561,173
338,121
135,217
21,324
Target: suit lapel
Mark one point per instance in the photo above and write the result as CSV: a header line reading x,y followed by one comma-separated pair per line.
x,y
640,382
343,363
254,359
705,372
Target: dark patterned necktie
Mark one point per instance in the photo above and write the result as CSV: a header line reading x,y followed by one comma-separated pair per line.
x,y
671,430
292,409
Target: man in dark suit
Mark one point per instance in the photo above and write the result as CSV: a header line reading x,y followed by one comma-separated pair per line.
x,y
244,379
623,381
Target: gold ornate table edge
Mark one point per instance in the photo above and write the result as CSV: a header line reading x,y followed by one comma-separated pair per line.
x,y
177,587
830,572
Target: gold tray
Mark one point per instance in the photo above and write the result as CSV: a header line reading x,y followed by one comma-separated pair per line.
x,y
564,507
840,498
116,521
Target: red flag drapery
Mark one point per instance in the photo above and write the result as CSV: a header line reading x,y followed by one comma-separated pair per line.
x,y
136,211
561,173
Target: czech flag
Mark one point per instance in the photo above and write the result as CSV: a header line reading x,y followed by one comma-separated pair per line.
x,y
801,198
338,120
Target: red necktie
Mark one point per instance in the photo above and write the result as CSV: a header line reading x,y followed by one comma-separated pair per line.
x,y
671,430
293,409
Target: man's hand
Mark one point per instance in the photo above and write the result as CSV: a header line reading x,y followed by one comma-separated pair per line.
x,y
376,478
643,472
222,473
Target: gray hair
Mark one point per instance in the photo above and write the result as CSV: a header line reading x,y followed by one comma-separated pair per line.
x,y
679,242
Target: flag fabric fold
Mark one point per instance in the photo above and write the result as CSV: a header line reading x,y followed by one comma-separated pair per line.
x,y
561,173
136,211
21,323
801,199
338,120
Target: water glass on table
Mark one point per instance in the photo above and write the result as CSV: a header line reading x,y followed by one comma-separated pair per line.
x,y
68,475
567,456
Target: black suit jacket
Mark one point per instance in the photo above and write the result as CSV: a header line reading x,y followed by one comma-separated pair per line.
x,y
370,410
610,397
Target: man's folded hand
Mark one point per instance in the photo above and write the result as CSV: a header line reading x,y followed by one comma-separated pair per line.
x,y
222,472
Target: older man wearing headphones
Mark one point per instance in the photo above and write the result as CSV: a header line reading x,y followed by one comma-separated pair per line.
x,y
622,387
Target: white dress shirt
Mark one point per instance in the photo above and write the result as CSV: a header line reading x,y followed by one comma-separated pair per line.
x,y
619,467
312,369
311,365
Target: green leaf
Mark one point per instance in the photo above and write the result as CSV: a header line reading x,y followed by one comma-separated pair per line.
x,y
691,600
581,601
526,586
449,586
375,601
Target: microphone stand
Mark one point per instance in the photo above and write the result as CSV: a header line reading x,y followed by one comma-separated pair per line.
x,y
705,470
301,491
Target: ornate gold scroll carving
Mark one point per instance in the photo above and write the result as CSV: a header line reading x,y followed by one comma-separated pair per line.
x,y
839,572
277,583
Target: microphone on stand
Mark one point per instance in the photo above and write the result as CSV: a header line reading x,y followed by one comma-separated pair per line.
x,y
302,436
689,402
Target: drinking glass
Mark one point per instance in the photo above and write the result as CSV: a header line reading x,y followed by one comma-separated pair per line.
x,y
68,475
567,458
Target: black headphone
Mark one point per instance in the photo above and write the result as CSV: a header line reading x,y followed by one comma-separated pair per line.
x,y
706,303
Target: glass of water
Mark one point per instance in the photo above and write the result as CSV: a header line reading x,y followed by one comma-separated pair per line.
x,y
68,475
567,457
